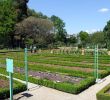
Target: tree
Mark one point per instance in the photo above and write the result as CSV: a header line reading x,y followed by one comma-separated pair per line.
x,y
98,38
32,12
71,40
83,37
36,29
106,30
7,22
60,32
21,9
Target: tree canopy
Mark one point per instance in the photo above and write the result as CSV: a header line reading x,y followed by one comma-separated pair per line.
x,y
107,34
20,26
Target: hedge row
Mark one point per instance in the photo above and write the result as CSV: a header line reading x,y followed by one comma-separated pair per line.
x,y
5,92
103,95
65,87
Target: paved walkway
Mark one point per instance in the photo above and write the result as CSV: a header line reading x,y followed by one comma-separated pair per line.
x,y
43,93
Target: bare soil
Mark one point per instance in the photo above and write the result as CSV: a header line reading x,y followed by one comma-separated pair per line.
x,y
4,83
51,76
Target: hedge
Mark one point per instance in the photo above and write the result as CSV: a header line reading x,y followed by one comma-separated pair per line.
x,y
65,87
103,95
5,92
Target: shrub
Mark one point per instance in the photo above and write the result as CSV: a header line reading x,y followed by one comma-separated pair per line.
x,y
103,95
5,92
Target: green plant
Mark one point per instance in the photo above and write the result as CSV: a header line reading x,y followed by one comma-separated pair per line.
x,y
103,95
17,87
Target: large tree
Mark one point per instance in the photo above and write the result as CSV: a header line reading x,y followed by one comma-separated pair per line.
x,y
83,37
32,12
98,38
7,22
107,34
21,8
35,29
59,29
71,40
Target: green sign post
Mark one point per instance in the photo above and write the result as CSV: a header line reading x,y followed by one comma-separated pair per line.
x,y
9,64
26,68
96,74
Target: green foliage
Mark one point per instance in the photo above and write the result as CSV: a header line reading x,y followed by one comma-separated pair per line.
x,y
35,31
83,37
103,95
60,32
107,34
98,38
21,9
66,87
5,92
71,40
7,21
32,12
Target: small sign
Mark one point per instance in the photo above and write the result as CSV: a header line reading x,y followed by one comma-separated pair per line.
x,y
9,65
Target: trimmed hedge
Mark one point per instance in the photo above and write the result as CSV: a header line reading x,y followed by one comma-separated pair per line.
x,y
65,87
5,92
103,95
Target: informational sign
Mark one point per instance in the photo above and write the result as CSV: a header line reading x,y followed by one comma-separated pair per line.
x,y
9,65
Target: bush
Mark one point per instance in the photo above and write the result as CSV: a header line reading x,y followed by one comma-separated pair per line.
x,y
5,92
65,87
103,95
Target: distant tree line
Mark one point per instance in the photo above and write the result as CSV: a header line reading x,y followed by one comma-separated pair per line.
x,y
21,26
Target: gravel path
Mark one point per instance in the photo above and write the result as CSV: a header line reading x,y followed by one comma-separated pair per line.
x,y
43,93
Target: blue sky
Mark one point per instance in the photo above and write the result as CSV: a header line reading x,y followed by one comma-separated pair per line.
x,y
86,15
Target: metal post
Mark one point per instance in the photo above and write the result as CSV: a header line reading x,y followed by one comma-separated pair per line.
x,y
97,63
26,68
11,85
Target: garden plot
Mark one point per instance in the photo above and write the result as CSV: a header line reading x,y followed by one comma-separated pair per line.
x,y
68,73
52,76
56,77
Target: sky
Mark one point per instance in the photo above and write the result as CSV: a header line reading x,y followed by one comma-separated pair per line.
x,y
85,15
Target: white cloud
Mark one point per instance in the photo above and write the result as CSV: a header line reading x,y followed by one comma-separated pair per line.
x,y
92,30
103,10
87,31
